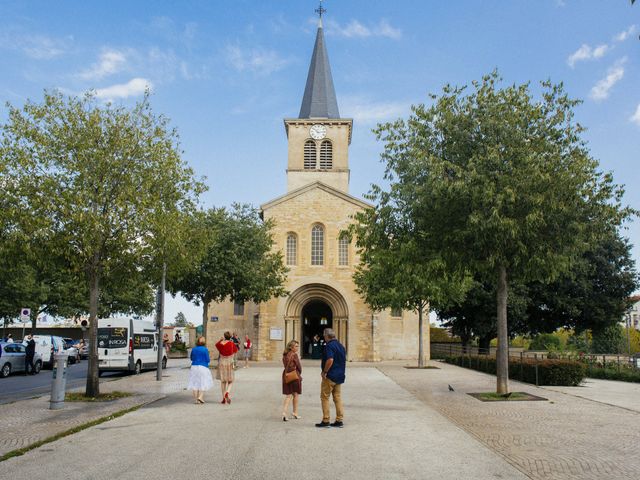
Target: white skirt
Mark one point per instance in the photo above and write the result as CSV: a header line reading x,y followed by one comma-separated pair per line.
x,y
200,378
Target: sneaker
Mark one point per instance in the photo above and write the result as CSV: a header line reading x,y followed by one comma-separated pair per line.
x,y
323,425
337,424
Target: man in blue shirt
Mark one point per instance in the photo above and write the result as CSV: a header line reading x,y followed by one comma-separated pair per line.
x,y
333,365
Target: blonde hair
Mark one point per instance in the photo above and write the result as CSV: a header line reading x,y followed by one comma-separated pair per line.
x,y
201,341
290,346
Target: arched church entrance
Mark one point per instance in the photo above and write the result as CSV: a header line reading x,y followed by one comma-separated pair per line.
x,y
316,316
312,308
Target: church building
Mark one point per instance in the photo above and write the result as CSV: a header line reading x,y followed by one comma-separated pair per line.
x,y
309,220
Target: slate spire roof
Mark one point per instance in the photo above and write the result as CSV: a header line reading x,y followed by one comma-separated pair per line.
x,y
319,100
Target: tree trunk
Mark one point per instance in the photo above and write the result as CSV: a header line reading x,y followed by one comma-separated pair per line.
x,y
205,323
502,356
93,383
420,338
484,344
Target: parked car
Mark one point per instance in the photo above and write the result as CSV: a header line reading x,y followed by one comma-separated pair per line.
x,y
12,359
72,350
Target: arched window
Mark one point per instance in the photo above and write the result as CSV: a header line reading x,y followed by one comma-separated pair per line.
x,y
292,249
310,155
317,245
343,250
326,155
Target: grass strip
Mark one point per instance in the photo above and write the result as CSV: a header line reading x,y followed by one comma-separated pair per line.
x,y
71,431
103,397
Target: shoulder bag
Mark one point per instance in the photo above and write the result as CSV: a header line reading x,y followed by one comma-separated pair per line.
x,y
291,376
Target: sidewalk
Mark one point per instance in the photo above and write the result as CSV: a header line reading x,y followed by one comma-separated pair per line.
x,y
389,434
399,423
26,422
568,437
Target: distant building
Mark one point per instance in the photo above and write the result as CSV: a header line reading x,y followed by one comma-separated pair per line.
x,y
634,312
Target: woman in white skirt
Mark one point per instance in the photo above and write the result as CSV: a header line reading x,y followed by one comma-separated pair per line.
x,y
200,376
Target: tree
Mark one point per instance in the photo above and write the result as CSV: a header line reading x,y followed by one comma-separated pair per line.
x,y
499,183
235,260
91,180
592,295
180,320
393,271
611,339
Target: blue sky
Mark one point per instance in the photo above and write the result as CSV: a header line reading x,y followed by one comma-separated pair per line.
x,y
227,73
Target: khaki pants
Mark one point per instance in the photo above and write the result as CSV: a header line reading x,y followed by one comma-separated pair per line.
x,y
326,389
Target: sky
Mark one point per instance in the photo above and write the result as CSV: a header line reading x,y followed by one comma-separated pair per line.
x,y
228,72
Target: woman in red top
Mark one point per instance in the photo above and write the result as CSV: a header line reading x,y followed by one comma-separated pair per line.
x,y
225,373
291,362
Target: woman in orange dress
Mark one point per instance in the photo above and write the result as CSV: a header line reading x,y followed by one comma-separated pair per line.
x,y
225,372
291,362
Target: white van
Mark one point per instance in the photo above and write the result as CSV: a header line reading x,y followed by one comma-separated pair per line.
x,y
47,346
127,345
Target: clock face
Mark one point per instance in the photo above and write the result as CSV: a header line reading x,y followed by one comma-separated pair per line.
x,y
318,132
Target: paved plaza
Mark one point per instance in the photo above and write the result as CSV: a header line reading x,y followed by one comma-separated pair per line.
x,y
399,423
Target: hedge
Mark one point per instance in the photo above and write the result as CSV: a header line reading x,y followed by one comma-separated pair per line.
x,y
550,372
625,374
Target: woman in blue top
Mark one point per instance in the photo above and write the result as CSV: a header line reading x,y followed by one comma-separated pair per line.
x,y
200,378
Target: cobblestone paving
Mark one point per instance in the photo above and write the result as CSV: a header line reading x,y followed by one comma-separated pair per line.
x,y
26,422
565,438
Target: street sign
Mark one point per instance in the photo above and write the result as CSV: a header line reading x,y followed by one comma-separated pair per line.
x,y
25,314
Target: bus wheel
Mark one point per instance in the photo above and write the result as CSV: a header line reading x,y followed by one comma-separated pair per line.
x,y
138,369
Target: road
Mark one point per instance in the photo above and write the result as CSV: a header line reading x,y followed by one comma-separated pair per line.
x,y
19,386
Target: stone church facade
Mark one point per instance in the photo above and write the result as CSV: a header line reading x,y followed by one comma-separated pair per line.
x,y
309,221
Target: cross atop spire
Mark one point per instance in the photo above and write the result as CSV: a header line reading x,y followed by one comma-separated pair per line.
x,y
320,11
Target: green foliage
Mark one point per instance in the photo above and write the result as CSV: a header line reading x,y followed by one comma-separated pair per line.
x,y
611,339
545,341
550,372
498,183
102,187
178,347
623,374
235,259
180,320
441,335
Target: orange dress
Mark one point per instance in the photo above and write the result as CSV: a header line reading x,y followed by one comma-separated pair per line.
x,y
291,362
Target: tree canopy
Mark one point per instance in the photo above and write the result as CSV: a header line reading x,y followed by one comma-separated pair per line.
x,y
99,185
235,259
499,183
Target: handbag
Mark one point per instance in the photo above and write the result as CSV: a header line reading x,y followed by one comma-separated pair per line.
x,y
291,376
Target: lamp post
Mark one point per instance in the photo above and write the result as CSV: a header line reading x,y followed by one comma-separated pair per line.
x,y
629,333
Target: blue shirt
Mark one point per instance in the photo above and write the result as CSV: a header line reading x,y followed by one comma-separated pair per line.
x,y
200,356
334,349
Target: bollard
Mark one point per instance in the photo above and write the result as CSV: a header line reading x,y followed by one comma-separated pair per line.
x,y
59,383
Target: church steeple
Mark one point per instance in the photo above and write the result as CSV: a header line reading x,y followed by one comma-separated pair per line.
x,y
319,100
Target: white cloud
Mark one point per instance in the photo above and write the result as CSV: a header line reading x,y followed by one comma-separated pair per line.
x,y
39,47
622,36
585,52
600,90
367,112
132,88
355,29
110,62
256,60
635,118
